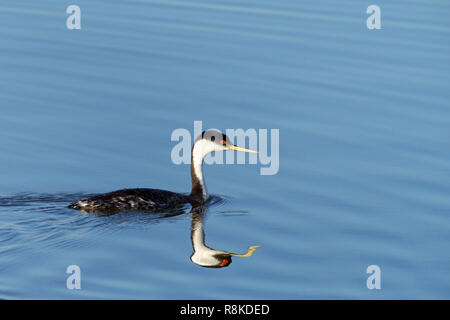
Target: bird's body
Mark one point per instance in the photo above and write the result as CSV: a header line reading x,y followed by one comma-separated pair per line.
x,y
156,200
140,199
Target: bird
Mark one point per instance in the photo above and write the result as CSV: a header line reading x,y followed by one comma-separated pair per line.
x,y
157,200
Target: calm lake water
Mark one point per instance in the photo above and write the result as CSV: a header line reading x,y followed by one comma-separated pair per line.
x,y
364,120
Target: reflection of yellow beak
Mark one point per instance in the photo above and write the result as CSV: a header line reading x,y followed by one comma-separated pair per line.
x,y
248,254
233,147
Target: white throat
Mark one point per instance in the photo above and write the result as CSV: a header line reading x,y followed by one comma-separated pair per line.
x,y
201,149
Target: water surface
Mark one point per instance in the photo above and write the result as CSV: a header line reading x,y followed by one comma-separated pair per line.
x,y
364,124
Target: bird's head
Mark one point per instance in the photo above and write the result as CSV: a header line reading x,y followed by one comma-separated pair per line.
x,y
211,258
214,141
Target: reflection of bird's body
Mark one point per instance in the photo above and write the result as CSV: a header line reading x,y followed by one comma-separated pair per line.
x,y
155,200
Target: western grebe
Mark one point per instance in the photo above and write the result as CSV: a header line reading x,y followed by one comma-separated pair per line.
x,y
155,200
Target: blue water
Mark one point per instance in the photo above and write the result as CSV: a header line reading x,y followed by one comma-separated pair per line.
x,y
364,120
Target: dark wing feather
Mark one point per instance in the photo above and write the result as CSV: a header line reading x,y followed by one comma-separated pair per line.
x,y
152,200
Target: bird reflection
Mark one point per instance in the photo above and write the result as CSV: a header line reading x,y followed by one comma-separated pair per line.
x,y
203,255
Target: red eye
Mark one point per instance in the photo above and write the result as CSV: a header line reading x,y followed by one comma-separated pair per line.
x,y
224,262
224,142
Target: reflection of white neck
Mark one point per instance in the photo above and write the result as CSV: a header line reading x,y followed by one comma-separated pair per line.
x,y
203,255
198,237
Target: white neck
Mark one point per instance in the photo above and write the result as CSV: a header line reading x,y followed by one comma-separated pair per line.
x,y
200,150
197,160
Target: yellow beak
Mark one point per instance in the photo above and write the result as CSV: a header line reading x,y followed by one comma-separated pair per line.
x,y
248,254
233,147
